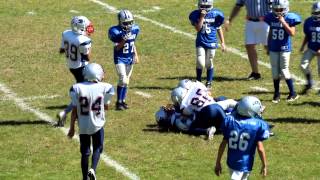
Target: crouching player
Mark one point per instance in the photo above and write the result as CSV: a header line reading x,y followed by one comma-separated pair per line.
x,y
90,99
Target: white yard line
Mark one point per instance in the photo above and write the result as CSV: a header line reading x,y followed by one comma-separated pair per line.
x,y
112,9
259,89
31,98
19,102
146,95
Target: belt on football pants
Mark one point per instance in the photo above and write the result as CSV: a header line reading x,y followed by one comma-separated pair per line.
x,y
255,19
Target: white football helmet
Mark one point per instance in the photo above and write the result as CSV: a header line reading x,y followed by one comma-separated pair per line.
x,y
185,83
177,95
250,106
93,72
81,25
125,18
315,11
205,5
280,7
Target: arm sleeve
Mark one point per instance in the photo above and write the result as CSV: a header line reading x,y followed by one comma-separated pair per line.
x,y
73,96
219,19
263,132
85,47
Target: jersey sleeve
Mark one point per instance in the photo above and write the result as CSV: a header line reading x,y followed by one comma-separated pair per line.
x,y
267,18
114,35
84,47
224,126
293,19
228,103
193,18
73,95
219,19
109,92
263,132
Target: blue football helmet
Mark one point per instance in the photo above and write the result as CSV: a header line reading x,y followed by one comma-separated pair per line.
x,y
315,11
205,5
280,7
250,106
93,72
125,19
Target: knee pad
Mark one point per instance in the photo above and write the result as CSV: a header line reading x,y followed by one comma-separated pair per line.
x,y
201,58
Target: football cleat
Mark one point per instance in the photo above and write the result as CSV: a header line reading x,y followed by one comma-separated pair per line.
x,y
125,105
292,98
120,107
276,99
254,76
306,89
62,116
92,174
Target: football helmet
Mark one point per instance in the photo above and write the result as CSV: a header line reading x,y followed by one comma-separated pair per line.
x,y
205,5
250,106
280,7
315,11
81,25
177,95
125,18
163,118
185,83
93,72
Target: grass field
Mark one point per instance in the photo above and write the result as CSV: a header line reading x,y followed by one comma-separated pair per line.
x,y
34,84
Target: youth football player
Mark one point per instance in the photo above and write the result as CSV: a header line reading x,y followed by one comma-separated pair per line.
x,y
243,132
90,99
76,45
282,26
207,22
311,30
125,52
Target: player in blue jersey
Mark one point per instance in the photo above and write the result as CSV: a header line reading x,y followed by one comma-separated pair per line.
x,y
125,53
282,26
311,30
243,132
207,22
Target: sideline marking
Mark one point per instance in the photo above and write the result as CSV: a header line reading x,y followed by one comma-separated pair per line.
x,y
19,102
74,11
112,9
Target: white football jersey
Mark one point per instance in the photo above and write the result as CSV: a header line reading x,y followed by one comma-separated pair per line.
x,y
90,98
75,45
196,98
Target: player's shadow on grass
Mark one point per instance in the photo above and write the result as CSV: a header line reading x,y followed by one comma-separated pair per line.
x,y
61,107
310,103
151,87
156,128
294,120
216,78
22,122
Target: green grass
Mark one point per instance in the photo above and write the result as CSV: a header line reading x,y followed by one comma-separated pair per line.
x,y
31,66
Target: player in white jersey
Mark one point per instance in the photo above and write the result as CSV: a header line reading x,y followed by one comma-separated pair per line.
x,y
76,45
191,96
90,99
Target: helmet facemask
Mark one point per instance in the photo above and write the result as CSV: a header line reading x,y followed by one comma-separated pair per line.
x,y
280,7
315,11
205,5
126,20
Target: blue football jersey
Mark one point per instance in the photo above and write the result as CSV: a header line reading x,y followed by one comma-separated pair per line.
x,y
311,30
126,54
279,40
242,136
207,36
